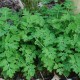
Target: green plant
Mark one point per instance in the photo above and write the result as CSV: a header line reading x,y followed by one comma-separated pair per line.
x,y
52,35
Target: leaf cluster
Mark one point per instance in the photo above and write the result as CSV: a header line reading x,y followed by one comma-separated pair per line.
x,y
52,36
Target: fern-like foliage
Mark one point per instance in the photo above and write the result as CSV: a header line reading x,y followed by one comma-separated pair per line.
x,y
52,35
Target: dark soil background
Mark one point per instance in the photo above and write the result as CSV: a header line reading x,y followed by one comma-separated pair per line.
x,y
46,75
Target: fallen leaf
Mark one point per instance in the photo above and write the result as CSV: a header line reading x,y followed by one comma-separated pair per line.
x,y
56,77
1,79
